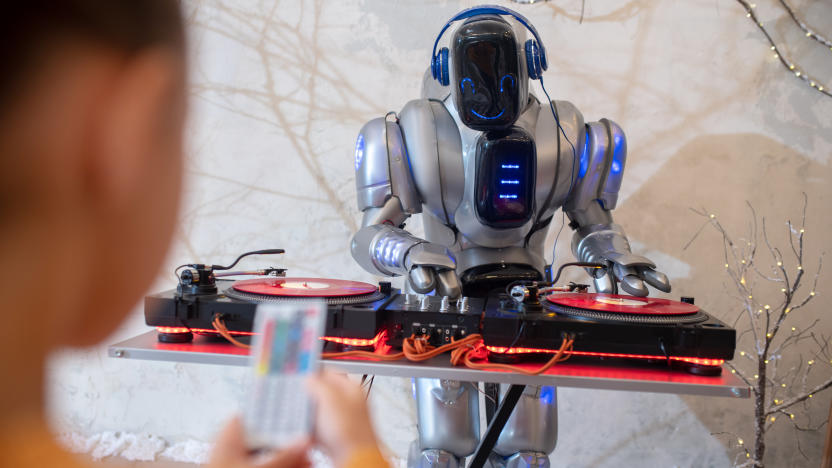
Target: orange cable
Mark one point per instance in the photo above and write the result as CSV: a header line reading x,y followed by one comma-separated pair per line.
x,y
466,358
418,349
220,327
463,352
367,354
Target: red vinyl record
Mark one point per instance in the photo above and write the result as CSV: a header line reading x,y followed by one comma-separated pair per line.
x,y
622,304
304,287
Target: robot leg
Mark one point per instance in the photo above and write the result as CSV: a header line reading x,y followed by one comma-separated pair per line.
x,y
531,432
449,423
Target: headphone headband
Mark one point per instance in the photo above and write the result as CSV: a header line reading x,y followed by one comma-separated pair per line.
x,y
493,10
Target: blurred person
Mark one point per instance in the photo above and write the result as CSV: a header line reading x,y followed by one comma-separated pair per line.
x,y
92,108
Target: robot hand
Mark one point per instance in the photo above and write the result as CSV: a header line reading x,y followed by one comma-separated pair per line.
x,y
608,245
431,266
392,251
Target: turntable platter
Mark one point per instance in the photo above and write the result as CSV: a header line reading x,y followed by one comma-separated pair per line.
x,y
304,287
623,304
617,308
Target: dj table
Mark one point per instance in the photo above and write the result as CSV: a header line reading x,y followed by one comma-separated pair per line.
x,y
614,375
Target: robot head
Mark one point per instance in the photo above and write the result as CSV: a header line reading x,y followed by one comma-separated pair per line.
x,y
490,81
488,84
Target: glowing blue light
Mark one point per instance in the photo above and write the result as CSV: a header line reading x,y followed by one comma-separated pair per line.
x,y
510,197
391,252
547,395
510,182
503,79
510,166
618,154
584,164
462,85
487,118
359,151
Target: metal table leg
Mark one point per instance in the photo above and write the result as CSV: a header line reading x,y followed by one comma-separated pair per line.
x,y
495,426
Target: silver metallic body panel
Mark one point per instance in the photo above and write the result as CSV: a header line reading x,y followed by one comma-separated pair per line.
x,y
448,413
476,256
372,170
557,162
604,158
437,170
382,169
533,426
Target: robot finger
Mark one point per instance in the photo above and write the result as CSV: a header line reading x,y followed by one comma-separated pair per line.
x,y
633,285
604,284
422,279
448,284
622,271
656,279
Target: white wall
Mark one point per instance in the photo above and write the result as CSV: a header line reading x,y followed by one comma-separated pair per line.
x,y
280,89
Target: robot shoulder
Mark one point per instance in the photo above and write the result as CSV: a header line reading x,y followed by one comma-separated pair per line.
x,y
382,168
600,167
435,149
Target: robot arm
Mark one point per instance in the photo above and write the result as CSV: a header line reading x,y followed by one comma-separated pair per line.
x,y
594,195
387,196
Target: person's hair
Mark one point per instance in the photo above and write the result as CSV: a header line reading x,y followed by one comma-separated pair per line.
x,y
29,29
33,31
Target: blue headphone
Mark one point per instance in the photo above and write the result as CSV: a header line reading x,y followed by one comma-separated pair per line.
x,y
535,52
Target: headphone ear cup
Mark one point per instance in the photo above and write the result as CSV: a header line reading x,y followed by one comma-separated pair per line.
x,y
533,59
442,74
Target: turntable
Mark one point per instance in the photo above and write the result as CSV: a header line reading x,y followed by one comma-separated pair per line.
x,y
207,304
609,326
530,321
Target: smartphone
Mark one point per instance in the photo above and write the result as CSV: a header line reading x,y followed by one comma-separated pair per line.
x,y
286,350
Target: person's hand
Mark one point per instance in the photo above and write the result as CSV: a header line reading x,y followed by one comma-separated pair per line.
x,y
230,451
343,423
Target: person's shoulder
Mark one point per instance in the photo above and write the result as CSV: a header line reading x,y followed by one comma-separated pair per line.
x,y
34,446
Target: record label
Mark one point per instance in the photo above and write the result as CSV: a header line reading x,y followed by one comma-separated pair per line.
x,y
622,304
304,287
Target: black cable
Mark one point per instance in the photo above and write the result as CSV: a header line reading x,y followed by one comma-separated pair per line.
x,y
578,264
254,252
220,267
516,337
557,275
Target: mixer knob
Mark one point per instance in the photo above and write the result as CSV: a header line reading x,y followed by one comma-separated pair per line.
x,y
463,304
445,304
425,305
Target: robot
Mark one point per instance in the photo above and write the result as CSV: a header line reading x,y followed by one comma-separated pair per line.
x,y
487,164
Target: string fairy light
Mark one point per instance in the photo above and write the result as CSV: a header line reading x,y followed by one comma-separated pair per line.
x,y
811,33
778,54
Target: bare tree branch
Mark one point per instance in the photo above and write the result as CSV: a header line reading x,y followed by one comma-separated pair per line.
x,y
795,400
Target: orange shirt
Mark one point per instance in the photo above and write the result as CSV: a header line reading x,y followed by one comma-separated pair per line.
x,y
366,458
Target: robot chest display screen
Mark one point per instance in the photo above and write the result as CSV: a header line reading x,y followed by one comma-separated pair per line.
x,y
506,163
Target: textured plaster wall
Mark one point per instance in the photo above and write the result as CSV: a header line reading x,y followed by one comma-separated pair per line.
x,y
280,89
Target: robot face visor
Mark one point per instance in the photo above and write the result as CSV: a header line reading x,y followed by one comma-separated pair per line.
x,y
486,66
